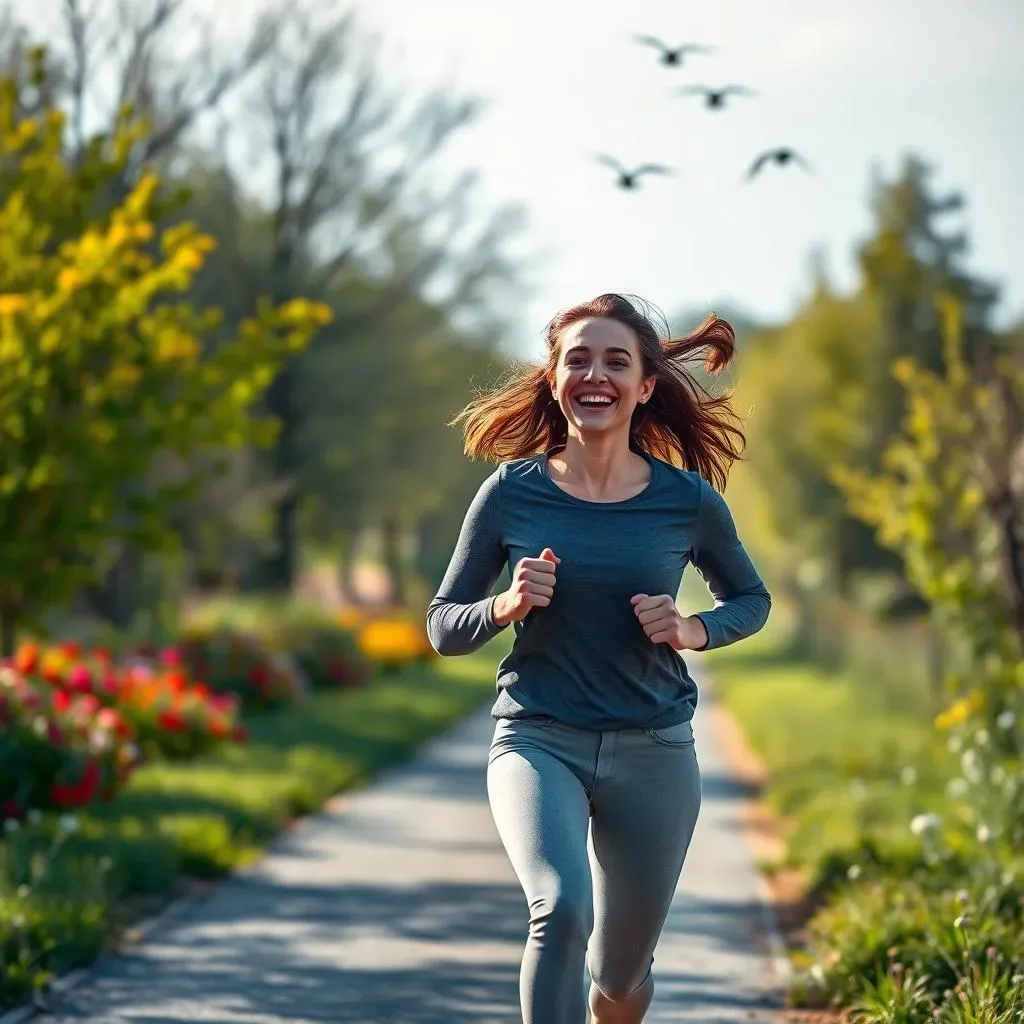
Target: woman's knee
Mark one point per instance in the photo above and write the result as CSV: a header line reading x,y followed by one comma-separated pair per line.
x,y
565,914
616,997
620,986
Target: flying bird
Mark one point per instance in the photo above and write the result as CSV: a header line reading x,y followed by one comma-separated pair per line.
x,y
629,179
672,56
782,156
715,98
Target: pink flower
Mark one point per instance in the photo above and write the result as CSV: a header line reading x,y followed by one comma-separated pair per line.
x,y
171,656
80,679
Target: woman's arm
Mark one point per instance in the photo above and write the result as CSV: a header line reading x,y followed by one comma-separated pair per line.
x,y
460,618
742,601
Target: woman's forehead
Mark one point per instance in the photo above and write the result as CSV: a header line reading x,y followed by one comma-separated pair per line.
x,y
599,333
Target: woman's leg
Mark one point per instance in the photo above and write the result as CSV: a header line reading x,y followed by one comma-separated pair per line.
x,y
542,812
645,811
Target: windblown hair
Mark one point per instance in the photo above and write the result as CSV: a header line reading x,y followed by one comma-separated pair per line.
x,y
682,423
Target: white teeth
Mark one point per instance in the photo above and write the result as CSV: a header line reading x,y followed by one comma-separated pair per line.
x,y
594,399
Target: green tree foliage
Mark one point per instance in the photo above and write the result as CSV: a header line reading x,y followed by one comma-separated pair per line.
x,y
950,497
820,388
102,362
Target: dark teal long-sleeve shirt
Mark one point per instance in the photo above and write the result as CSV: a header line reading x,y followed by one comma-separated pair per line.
x,y
585,660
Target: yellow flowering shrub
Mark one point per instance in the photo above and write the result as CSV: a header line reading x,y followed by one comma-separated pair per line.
x,y
103,365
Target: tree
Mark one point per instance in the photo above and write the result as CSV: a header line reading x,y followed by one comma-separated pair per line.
x,y
354,216
821,389
950,497
102,366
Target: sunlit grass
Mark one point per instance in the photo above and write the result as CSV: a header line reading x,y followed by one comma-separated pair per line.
x,y
846,766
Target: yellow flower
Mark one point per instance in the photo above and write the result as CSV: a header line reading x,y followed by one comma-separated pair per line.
x,y
172,346
391,640
11,303
962,709
69,279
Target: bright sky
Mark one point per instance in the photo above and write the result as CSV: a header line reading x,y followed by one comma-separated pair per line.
x,y
849,84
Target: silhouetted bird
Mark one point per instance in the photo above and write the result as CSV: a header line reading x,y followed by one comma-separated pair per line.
x,y
629,178
782,156
672,56
715,98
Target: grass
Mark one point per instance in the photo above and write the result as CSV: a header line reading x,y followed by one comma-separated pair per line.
x,y
848,764
180,822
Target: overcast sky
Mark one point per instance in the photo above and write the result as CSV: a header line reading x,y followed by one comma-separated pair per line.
x,y
850,84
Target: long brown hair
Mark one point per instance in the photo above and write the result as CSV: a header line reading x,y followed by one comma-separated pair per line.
x,y
682,423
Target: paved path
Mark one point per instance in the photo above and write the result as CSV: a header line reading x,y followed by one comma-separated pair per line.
x,y
397,906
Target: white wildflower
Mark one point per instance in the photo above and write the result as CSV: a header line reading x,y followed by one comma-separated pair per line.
x,y
954,743
1006,720
909,775
957,788
923,823
34,816
68,823
970,765
984,834
11,825
981,737
853,872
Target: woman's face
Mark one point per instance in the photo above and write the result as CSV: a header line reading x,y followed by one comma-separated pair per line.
x,y
599,375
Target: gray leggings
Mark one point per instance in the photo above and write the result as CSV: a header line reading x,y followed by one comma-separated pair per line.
x,y
596,825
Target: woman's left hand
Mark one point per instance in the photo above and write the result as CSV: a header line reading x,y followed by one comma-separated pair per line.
x,y
664,625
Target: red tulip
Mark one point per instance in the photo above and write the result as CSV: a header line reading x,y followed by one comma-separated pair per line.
x,y
171,721
80,679
27,658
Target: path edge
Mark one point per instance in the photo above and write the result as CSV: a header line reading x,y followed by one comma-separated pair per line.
x,y
747,767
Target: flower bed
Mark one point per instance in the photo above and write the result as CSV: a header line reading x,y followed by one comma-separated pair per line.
x,y
231,661
329,657
58,750
161,708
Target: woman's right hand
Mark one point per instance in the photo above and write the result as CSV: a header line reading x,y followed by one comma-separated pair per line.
x,y
533,584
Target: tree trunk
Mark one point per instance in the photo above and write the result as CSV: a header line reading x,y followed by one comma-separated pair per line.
x,y
346,569
116,597
391,535
281,566
7,635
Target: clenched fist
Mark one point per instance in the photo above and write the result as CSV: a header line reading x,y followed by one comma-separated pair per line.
x,y
533,584
664,625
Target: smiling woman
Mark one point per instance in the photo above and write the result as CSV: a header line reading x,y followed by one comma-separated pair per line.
x,y
601,500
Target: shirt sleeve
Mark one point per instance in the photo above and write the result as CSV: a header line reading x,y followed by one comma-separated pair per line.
x,y
460,617
742,601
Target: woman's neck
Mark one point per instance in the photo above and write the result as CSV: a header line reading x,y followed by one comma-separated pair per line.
x,y
600,468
